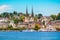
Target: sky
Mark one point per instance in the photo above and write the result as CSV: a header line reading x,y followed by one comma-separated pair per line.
x,y
45,7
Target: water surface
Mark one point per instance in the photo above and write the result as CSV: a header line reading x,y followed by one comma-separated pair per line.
x,y
29,35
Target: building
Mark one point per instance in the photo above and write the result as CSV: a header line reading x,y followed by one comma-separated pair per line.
x,y
4,24
31,25
28,25
12,24
29,18
22,24
56,24
4,19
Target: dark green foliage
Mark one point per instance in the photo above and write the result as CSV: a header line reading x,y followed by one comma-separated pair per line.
x,y
58,17
21,18
39,16
15,13
53,16
16,21
10,27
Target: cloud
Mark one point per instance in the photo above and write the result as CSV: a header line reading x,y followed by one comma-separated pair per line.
x,y
4,8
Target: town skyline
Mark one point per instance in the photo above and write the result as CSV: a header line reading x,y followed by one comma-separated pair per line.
x,y
39,6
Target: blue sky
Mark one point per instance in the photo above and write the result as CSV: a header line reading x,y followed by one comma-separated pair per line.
x,y
46,7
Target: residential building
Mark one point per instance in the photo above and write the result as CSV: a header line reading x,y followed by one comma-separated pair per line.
x,y
4,24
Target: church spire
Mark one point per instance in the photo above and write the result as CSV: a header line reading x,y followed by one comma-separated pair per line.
x,y
26,11
32,12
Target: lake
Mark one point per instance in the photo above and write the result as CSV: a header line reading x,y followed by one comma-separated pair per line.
x,y
29,35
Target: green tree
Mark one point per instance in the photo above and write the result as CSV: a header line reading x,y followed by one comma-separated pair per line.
x,y
11,15
16,21
15,13
5,14
53,17
21,18
58,17
10,27
23,28
0,15
39,15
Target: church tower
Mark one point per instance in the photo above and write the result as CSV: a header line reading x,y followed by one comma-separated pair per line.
x,y
32,12
32,16
26,16
27,11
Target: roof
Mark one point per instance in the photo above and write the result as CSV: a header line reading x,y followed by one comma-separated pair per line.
x,y
56,21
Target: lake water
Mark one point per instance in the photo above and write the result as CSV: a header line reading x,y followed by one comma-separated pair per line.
x,y
29,35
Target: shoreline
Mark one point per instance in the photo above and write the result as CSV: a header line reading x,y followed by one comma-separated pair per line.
x,y
25,31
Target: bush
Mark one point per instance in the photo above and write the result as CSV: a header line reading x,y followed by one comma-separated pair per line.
x,y
37,27
10,27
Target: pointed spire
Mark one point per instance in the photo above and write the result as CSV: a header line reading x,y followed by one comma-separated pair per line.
x,y
26,11
32,12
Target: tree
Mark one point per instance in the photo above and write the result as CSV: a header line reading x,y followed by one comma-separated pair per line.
x,y
5,14
58,17
16,21
9,15
10,27
39,15
0,15
53,17
15,13
37,27
21,18
23,28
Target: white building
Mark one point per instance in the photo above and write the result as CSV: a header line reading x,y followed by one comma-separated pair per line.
x,y
3,19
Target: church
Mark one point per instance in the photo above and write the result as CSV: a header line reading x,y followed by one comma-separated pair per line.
x,y
29,18
28,21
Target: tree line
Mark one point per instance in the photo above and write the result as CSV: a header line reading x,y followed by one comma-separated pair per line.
x,y
55,17
37,16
